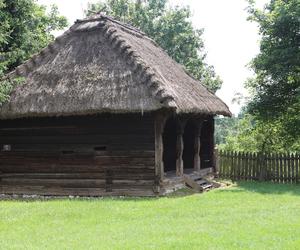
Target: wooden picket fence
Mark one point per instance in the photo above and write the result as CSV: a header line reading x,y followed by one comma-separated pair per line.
x,y
282,168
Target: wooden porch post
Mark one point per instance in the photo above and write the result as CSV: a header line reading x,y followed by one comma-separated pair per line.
x,y
179,150
179,146
197,146
160,120
212,144
214,151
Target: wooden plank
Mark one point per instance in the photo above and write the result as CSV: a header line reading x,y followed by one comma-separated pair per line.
x,y
288,160
254,166
197,145
191,183
205,171
243,163
97,175
159,124
235,165
247,159
229,165
231,162
297,165
249,175
76,183
179,148
222,173
278,167
269,167
58,191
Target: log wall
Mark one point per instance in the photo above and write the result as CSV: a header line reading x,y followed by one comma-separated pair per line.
x,y
89,156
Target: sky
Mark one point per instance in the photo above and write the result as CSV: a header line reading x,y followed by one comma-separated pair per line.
x,y
230,40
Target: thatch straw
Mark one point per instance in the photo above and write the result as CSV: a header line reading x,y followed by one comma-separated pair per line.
x,y
101,65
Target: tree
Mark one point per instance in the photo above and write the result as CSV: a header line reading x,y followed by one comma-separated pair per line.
x,y
223,128
170,28
271,119
249,134
276,86
25,29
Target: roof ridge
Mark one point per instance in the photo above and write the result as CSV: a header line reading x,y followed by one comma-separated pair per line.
x,y
101,16
149,76
125,26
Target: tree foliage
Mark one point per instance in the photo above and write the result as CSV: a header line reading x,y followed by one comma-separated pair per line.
x,y
171,28
249,134
276,86
25,29
273,121
223,128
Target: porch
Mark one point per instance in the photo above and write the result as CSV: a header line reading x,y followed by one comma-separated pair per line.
x,y
184,150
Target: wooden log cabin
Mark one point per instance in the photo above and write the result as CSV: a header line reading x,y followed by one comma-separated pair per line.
x,y
103,110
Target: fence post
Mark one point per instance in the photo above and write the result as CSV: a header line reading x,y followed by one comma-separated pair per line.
x,y
261,166
216,162
297,165
276,167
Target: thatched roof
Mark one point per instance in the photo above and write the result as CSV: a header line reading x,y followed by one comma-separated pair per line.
x,y
102,65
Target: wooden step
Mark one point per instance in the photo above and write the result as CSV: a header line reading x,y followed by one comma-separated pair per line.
x,y
201,181
207,186
197,183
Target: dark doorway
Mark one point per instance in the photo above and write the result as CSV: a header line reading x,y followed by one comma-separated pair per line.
x,y
189,143
169,145
207,143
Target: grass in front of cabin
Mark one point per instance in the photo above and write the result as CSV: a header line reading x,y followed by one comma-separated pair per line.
x,y
248,215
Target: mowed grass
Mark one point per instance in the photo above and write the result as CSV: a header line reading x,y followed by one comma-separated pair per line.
x,y
245,216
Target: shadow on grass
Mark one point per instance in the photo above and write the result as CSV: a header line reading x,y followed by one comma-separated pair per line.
x,y
265,187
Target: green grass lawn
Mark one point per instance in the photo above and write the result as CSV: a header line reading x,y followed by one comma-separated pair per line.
x,y
245,216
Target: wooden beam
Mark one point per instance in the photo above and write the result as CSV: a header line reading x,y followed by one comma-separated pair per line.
x,y
197,145
216,162
212,144
181,122
197,160
160,120
179,151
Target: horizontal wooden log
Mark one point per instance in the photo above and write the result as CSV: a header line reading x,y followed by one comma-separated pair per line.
x,y
76,168
128,153
89,121
97,175
78,139
57,191
73,130
78,160
76,183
